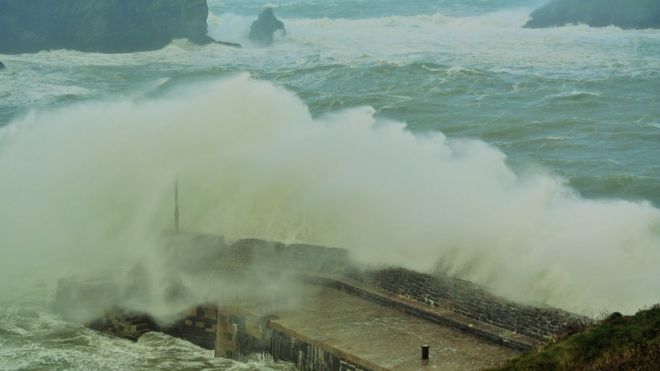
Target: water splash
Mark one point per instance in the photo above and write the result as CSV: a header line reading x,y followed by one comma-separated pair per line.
x,y
92,183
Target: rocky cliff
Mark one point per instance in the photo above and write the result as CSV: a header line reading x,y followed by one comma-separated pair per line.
x,y
110,26
598,13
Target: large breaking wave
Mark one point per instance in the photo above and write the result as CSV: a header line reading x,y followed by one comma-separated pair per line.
x,y
91,184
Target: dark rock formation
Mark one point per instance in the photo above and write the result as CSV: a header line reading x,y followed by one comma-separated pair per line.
x,y
598,13
2,66
262,29
233,45
126,325
110,26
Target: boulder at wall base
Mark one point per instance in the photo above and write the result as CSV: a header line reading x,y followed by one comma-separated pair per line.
x,y
262,29
628,14
108,26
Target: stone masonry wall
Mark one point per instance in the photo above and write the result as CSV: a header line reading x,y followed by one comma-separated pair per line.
x,y
194,251
198,326
241,333
471,301
245,257
460,296
308,356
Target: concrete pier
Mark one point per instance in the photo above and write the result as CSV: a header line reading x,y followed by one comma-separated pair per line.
x,y
374,336
342,318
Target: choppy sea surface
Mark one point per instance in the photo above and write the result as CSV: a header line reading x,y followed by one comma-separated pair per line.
x,y
34,338
578,102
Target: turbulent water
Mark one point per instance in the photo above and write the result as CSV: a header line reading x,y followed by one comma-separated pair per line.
x,y
435,135
33,339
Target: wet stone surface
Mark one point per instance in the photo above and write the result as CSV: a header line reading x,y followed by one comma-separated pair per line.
x,y
387,337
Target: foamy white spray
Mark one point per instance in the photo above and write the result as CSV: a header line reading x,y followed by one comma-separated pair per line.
x,y
92,184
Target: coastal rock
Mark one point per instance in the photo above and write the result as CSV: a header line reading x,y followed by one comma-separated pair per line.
x,y
628,14
233,45
262,29
2,66
108,26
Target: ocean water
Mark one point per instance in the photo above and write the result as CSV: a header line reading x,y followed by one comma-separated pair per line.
x,y
578,101
438,135
31,338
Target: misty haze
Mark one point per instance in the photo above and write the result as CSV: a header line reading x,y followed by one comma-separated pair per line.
x,y
329,185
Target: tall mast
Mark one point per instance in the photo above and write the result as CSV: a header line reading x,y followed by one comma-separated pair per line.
x,y
176,204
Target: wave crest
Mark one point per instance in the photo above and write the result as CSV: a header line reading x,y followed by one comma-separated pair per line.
x,y
95,181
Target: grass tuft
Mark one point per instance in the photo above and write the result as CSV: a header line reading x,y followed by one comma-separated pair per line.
x,y
616,343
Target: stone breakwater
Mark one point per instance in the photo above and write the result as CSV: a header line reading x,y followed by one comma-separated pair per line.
x,y
469,300
474,318
461,297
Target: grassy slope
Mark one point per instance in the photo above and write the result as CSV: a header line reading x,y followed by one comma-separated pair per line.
x,y
617,343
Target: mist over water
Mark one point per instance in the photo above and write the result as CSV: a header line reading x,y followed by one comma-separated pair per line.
x,y
586,97
31,338
94,181
438,136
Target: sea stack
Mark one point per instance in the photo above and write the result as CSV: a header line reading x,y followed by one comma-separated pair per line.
x,y
262,29
628,14
108,26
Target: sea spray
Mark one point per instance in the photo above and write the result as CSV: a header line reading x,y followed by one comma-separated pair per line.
x,y
31,338
91,185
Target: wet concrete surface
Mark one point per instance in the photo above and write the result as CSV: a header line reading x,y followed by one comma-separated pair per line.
x,y
385,336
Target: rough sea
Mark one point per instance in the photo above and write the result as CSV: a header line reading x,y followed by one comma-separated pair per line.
x,y
552,134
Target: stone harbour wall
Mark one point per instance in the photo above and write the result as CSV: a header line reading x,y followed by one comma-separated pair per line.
x,y
241,333
471,301
308,355
192,251
461,297
199,326
234,332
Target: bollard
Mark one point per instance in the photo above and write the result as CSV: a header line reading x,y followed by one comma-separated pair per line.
x,y
425,352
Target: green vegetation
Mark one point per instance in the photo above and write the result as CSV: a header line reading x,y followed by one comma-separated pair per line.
x,y
617,343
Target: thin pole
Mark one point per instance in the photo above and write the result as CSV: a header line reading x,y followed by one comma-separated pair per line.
x,y
176,204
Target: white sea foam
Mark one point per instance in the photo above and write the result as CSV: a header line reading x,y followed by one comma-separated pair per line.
x,y
485,41
92,183
32,338
575,95
492,42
